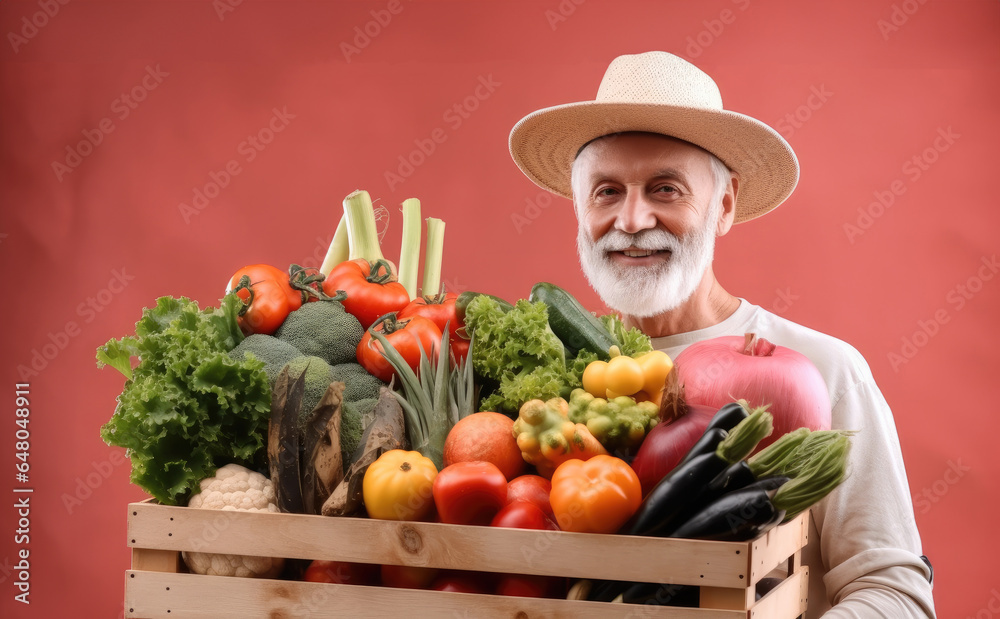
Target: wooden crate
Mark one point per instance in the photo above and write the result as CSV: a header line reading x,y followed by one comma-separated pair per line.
x,y
727,572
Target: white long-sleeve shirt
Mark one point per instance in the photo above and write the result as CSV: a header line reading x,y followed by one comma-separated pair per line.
x,y
865,560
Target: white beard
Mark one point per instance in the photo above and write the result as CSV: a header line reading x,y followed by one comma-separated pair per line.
x,y
647,291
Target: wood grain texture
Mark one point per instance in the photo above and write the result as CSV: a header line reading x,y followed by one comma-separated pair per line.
x,y
150,595
727,571
789,599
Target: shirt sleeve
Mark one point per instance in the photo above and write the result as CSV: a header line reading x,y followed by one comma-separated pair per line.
x,y
868,535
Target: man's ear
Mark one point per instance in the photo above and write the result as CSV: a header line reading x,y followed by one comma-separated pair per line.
x,y
728,211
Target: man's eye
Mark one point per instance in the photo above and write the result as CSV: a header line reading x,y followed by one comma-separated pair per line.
x,y
607,191
666,189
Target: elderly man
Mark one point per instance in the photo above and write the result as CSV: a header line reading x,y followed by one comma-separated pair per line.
x,y
657,170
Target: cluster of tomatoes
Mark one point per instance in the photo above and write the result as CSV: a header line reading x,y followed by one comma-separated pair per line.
x,y
483,483
368,291
486,482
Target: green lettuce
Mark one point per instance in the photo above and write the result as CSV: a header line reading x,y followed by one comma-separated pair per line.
x,y
187,406
631,341
517,351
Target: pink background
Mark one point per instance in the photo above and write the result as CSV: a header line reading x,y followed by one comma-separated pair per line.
x,y
863,90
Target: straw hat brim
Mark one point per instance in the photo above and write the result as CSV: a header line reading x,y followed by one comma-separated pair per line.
x,y
544,144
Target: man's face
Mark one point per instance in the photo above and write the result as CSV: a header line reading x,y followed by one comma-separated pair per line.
x,y
647,220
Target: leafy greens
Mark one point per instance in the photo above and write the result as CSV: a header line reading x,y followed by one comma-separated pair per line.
x,y
187,407
519,352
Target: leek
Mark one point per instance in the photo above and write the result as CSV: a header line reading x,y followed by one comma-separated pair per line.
x,y
409,251
339,250
362,235
433,253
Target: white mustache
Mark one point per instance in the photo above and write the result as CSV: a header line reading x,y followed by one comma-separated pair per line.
x,y
653,240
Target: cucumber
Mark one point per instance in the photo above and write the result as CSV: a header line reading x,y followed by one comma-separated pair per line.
x,y
463,300
571,322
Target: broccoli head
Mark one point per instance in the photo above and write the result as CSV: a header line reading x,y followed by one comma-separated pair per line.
x,y
353,418
360,384
273,352
322,329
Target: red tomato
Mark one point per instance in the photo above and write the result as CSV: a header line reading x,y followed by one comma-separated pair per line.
x,y
523,515
372,290
462,582
485,437
459,346
532,488
342,572
440,310
469,493
406,336
408,577
267,296
527,585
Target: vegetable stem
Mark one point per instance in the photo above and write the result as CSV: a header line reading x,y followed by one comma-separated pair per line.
x,y
339,250
361,232
818,477
409,251
744,437
775,458
425,399
434,252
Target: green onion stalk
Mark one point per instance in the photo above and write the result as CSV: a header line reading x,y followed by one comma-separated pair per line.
x,y
743,439
824,471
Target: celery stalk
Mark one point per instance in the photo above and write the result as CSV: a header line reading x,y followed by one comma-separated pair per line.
x,y
361,232
339,249
409,251
433,253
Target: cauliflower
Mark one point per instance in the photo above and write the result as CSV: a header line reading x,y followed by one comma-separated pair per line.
x,y
235,488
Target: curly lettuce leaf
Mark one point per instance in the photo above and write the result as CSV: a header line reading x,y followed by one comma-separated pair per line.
x,y
631,341
519,351
187,407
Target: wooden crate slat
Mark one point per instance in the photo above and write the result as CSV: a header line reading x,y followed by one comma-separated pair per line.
x,y
777,545
727,572
792,593
149,595
298,536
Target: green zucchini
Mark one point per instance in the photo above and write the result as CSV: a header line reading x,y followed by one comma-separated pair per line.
x,y
571,322
463,300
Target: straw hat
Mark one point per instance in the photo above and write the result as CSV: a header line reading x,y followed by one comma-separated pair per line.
x,y
660,93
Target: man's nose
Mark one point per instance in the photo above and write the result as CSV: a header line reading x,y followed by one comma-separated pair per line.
x,y
635,213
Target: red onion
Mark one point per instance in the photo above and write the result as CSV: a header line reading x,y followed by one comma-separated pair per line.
x,y
681,425
724,369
